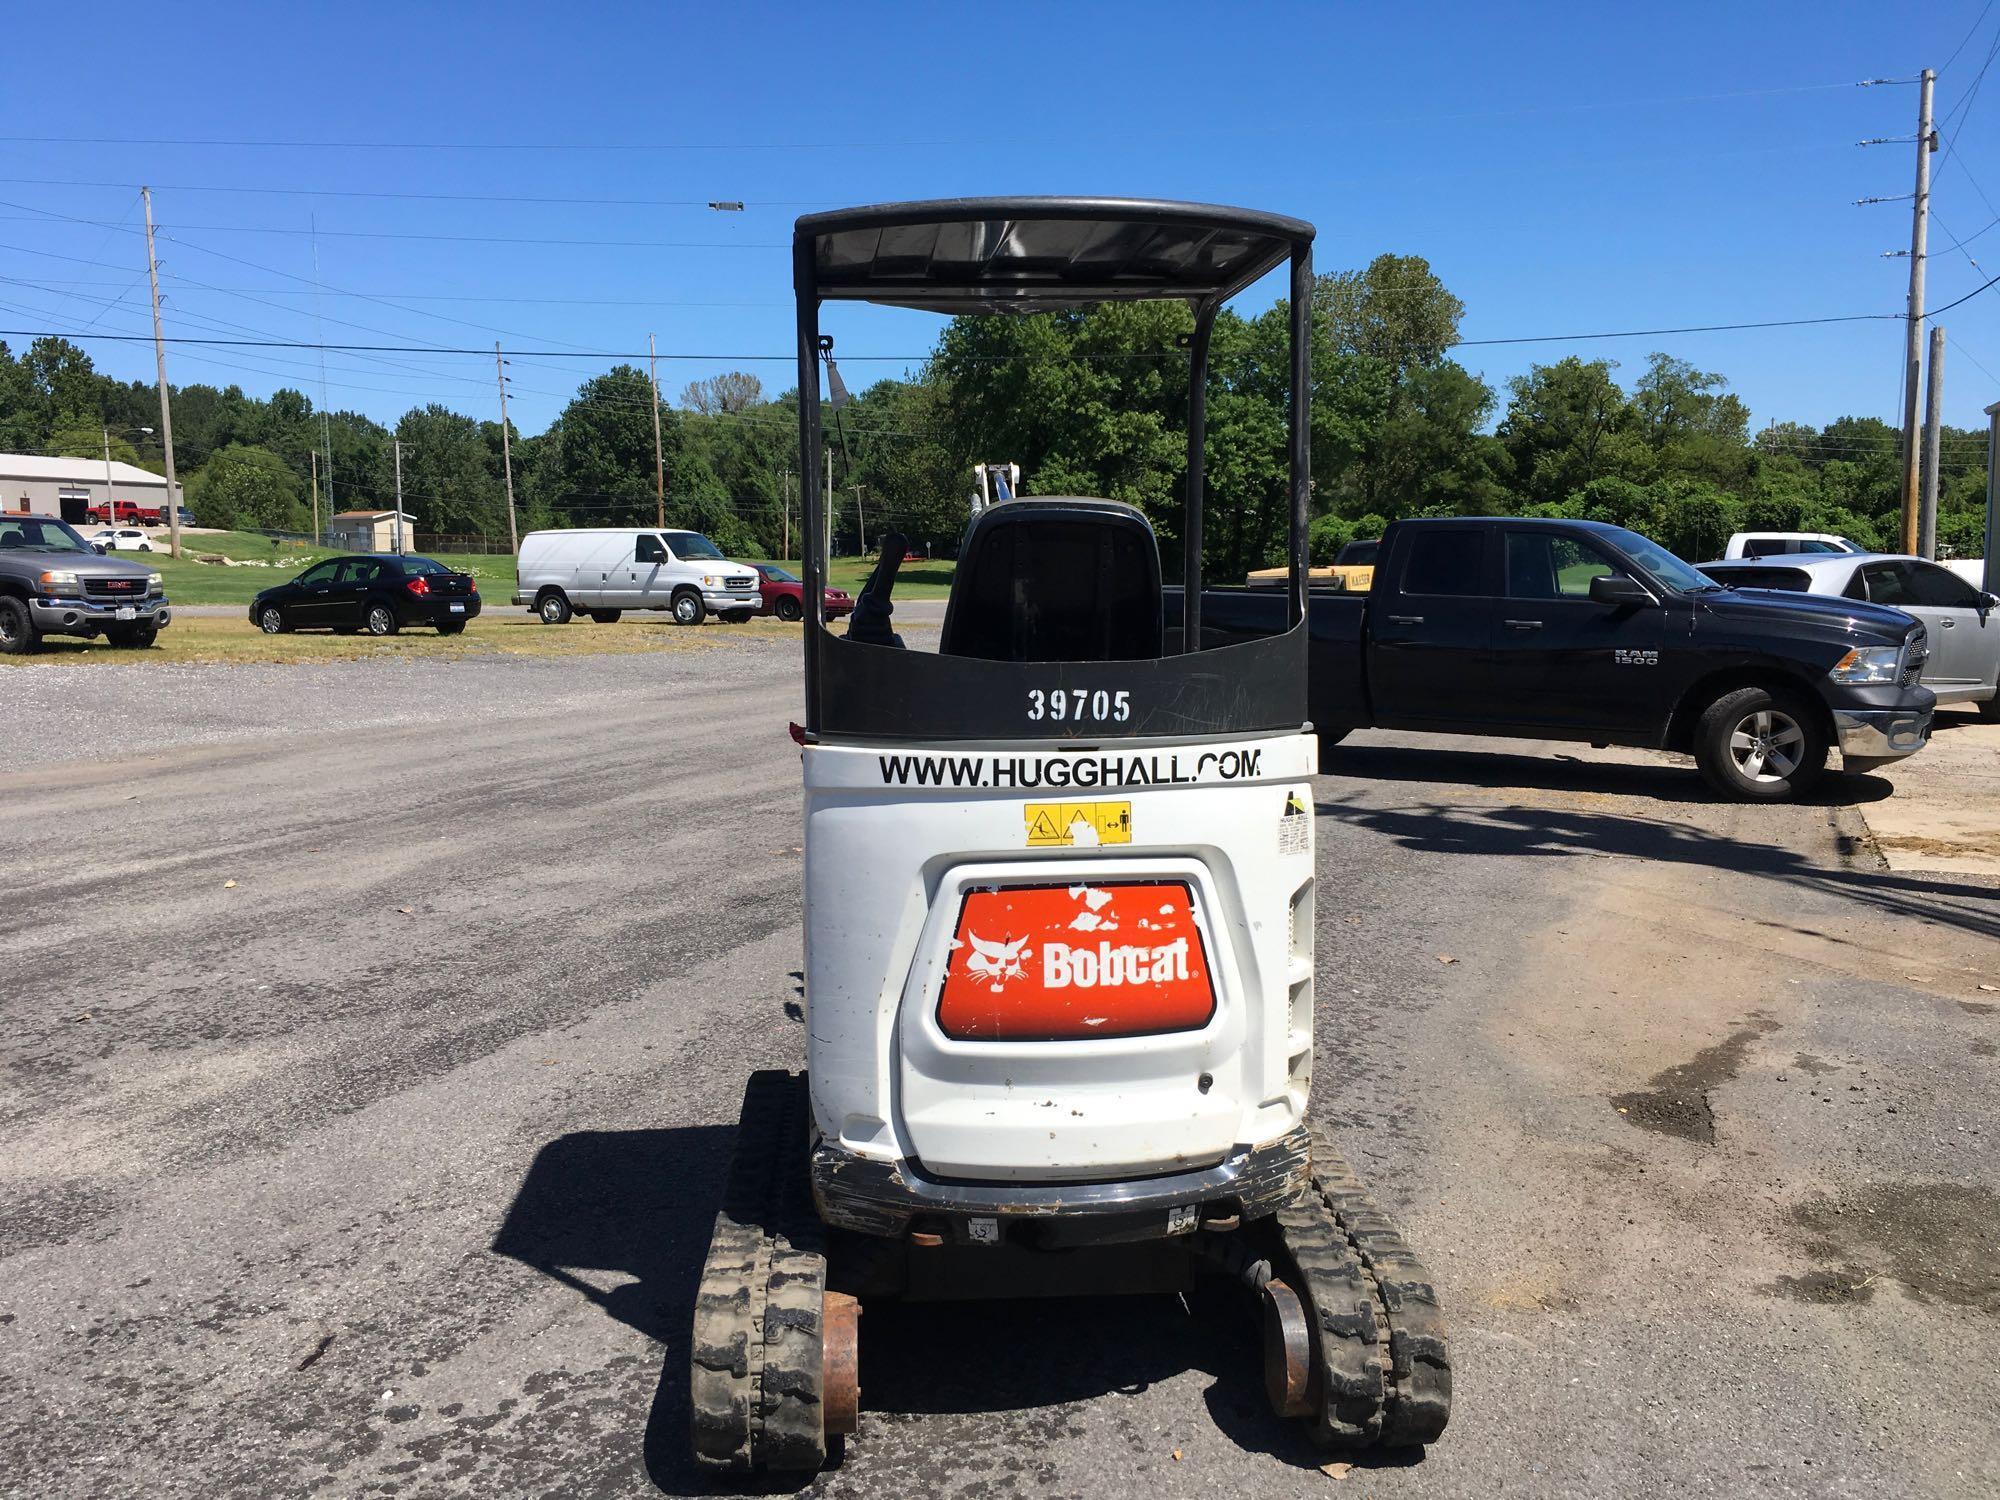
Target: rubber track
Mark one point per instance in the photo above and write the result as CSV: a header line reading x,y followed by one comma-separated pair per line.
x,y
755,1378
1380,1334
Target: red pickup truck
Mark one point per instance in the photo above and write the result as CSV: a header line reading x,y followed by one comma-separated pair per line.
x,y
130,513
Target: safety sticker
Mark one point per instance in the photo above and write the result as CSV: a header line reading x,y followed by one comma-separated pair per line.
x,y
1057,824
1295,826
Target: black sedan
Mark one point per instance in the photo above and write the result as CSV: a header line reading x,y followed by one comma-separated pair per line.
x,y
377,594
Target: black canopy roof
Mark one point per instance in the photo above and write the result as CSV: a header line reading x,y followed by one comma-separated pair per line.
x,y
958,255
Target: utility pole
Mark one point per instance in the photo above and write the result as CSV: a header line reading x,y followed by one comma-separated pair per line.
x,y
1920,216
315,483
1990,581
160,356
861,518
110,505
1933,412
506,451
659,460
827,455
399,497
785,510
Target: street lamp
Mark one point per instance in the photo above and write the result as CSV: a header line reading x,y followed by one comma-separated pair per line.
x,y
111,505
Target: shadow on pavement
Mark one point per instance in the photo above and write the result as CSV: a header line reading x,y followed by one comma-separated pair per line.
x,y
641,1204
636,1203
1568,832
1570,773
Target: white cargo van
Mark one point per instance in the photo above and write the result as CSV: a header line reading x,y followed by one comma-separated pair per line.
x,y
603,573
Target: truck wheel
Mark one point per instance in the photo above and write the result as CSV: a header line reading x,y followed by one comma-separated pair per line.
x,y
790,611
451,627
133,637
688,608
271,620
1989,711
553,608
18,635
606,616
1759,746
381,620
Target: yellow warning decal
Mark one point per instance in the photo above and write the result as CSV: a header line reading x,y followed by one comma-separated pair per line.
x,y
1056,824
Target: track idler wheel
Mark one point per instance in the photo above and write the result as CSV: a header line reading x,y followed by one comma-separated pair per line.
x,y
1380,1372
774,1371
1287,1351
840,1364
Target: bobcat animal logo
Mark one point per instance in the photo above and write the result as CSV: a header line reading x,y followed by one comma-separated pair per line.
x,y
996,961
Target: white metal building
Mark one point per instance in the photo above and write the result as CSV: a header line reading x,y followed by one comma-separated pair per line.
x,y
65,487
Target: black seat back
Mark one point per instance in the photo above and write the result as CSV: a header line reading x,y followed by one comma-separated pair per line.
x,y
1056,580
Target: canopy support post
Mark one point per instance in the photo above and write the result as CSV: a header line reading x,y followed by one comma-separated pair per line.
x,y
1301,429
805,283
1197,453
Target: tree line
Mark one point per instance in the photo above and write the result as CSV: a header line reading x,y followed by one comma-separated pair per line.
x,y
1087,402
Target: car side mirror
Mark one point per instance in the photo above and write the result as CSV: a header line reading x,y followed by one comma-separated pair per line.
x,y
1619,591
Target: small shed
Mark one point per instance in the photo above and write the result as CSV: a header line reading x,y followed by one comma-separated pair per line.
x,y
368,530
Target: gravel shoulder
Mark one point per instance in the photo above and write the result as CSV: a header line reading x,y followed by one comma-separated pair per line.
x,y
387,1168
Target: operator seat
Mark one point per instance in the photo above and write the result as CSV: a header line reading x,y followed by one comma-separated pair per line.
x,y
1058,579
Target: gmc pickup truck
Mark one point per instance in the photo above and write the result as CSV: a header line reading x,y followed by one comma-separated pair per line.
x,y
52,582
1572,630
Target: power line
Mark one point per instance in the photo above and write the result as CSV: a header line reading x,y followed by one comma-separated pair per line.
x,y
1069,138
721,358
286,192
1646,333
1966,298
1970,31
455,239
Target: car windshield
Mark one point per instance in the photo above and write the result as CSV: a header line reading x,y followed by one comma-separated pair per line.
x,y
692,544
1681,577
39,534
777,574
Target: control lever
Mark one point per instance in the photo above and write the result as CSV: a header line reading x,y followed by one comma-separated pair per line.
x,y
869,623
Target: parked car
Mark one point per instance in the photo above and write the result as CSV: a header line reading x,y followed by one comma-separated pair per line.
x,y
1964,664
380,595
1786,543
604,572
121,539
52,582
1573,630
785,595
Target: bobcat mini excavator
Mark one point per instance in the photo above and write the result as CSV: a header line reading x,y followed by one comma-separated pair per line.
x,y
1059,912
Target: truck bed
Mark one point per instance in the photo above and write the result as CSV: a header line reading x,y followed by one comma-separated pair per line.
x,y
1337,688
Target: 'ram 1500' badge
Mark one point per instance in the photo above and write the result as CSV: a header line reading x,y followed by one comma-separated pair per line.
x,y
1636,658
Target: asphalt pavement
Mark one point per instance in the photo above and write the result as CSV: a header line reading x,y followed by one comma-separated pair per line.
x,y
374,1033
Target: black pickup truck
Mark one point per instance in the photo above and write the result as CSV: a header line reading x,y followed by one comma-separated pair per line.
x,y
1572,630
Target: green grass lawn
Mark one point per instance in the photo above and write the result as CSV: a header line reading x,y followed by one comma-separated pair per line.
x,y
917,580
190,581
502,633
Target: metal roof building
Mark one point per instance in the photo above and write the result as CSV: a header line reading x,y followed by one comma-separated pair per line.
x,y
66,487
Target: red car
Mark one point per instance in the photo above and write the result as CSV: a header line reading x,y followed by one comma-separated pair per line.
x,y
785,595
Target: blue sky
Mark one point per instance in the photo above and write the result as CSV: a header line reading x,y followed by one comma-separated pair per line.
x,y
1564,169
